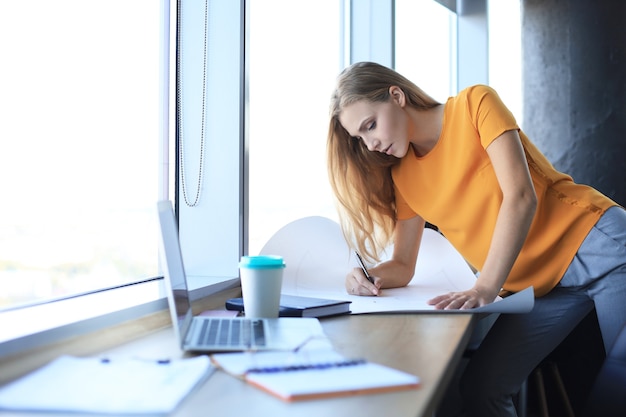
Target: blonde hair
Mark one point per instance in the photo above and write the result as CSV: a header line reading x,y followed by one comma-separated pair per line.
x,y
361,179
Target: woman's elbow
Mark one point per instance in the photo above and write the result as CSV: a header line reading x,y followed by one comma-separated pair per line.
x,y
524,202
531,200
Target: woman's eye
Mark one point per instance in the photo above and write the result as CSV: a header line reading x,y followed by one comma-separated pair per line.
x,y
372,126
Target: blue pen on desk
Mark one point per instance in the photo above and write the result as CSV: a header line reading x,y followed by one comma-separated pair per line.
x,y
362,265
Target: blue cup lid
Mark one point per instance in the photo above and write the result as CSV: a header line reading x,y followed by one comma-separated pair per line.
x,y
262,262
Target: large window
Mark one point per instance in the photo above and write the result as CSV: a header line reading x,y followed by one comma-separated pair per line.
x,y
425,46
293,66
505,53
79,128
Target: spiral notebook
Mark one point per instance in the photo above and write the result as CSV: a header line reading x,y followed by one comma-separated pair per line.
x,y
309,375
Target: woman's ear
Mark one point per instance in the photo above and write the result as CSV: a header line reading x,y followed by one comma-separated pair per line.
x,y
397,95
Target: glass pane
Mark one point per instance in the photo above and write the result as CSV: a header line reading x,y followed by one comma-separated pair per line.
x,y
505,51
294,62
79,131
425,46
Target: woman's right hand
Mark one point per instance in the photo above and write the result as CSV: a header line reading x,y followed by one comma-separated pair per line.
x,y
358,284
396,272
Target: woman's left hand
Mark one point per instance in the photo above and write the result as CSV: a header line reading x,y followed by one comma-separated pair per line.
x,y
462,300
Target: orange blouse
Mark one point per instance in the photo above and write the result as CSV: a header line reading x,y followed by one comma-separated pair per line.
x,y
454,187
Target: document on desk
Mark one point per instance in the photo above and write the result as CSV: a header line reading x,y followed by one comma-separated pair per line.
x,y
313,374
115,386
318,259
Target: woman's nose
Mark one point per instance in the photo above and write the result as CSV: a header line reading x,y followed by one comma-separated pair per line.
x,y
373,145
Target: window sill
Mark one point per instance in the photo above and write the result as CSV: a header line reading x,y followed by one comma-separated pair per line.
x,y
85,325
44,318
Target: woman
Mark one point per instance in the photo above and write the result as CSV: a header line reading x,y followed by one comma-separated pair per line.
x,y
397,159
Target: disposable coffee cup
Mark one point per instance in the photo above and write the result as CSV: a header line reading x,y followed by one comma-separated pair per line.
x,y
261,283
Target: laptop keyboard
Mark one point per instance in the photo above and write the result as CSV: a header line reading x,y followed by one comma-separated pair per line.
x,y
248,333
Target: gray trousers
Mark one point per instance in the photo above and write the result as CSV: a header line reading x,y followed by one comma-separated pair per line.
x,y
517,343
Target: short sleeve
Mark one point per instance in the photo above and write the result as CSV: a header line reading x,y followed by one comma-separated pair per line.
x,y
489,114
403,210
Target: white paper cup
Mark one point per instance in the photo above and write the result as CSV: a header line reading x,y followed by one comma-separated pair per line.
x,y
261,283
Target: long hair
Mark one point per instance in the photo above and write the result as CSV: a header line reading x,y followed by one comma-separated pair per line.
x,y
361,179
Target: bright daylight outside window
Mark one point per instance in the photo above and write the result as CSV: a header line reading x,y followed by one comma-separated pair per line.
x,y
425,45
505,51
426,48
293,66
79,177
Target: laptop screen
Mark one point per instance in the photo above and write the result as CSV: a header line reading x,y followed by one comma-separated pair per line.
x,y
173,268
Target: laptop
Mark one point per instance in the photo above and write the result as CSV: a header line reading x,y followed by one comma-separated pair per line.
x,y
220,334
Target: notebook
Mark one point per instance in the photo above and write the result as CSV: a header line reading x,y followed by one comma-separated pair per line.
x,y
220,334
308,375
297,306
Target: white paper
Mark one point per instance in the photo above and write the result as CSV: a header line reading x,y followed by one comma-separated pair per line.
x,y
118,386
318,260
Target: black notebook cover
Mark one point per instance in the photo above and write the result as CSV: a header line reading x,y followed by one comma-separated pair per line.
x,y
295,306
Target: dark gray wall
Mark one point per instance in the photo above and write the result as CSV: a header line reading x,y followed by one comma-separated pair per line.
x,y
574,86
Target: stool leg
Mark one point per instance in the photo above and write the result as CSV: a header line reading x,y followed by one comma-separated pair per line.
x,y
541,392
561,388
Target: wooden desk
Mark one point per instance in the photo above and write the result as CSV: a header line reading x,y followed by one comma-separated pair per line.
x,y
428,345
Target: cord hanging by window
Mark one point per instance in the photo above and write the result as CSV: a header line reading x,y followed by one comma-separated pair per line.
x,y
180,112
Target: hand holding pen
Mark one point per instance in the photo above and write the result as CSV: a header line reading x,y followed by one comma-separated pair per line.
x,y
362,265
355,287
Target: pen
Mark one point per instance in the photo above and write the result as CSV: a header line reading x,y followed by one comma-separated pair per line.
x,y
362,265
